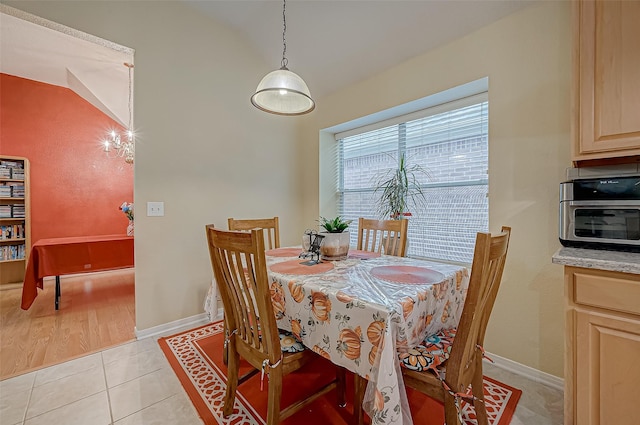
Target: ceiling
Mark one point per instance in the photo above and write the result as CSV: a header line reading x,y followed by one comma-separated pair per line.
x,y
47,52
330,43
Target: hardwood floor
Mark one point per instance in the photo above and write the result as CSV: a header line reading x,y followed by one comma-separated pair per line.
x,y
97,311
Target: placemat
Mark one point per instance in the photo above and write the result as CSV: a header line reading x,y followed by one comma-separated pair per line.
x,y
283,252
407,274
363,255
294,267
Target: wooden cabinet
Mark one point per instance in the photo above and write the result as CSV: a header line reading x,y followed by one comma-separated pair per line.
x,y
606,79
15,222
602,367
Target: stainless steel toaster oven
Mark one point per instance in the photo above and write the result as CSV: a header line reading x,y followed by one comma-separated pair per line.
x,y
601,212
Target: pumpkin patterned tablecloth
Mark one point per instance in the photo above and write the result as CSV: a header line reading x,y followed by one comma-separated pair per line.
x,y
360,322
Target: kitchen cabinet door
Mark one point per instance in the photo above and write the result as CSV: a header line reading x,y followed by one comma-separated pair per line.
x,y
606,79
607,369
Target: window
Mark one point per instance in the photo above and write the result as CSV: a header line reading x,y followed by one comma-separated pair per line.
x,y
451,142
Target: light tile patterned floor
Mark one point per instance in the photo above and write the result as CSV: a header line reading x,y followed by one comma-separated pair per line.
x,y
133,384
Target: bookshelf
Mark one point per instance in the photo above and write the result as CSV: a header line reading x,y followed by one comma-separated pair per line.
x,y
15,220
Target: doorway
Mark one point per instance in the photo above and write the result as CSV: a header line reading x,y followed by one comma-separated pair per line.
x,y
62,92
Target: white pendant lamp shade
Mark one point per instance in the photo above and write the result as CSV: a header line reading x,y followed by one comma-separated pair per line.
x,y
283,92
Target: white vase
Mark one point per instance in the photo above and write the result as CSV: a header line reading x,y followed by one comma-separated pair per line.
x,y
130,228
335,246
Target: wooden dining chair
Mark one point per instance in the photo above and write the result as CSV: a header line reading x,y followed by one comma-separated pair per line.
x,y
271,230
383,236
239,264
270,226
448,363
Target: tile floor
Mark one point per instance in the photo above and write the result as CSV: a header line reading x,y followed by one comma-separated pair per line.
x,y
133,384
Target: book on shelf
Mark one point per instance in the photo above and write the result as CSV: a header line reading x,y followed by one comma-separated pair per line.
x,y
17,190
5,211
12,211
11,169
12,231
6,163
11,190
17,211
12,252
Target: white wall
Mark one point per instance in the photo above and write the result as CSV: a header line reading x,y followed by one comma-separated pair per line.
x,y
203,148
527,58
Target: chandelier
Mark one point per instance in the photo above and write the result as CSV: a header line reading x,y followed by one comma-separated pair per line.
x,y
283,92
123,145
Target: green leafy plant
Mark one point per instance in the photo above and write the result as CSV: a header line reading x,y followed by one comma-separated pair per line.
x,y
399,189
335,225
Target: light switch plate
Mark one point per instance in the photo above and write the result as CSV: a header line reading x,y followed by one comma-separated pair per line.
x,y
155,209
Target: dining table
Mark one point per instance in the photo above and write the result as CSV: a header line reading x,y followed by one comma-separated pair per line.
x,y
72,255
360,312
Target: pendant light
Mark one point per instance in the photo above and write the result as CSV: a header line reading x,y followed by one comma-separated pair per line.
x,y
283,92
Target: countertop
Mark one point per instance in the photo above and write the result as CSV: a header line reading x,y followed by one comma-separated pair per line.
x,y
626,262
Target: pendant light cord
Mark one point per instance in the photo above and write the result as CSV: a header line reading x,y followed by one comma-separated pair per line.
x,y
284,62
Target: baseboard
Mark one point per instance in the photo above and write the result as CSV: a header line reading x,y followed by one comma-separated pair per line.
x,y
527,372
175,326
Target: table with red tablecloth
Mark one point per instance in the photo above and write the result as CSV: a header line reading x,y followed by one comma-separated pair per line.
x,y
82,254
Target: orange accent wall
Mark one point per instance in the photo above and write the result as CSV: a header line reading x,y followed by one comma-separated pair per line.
x,y
75,188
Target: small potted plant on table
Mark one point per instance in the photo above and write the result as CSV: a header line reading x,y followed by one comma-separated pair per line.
x,y
335,245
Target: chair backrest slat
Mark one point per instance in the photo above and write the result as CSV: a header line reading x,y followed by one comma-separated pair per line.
x,y
270,226
383,236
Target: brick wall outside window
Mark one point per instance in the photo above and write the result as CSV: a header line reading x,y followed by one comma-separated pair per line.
x,y
455,188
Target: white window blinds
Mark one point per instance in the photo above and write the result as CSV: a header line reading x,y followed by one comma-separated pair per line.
x,y
451,142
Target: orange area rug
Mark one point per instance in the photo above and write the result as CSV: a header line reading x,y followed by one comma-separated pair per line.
x,y
196,358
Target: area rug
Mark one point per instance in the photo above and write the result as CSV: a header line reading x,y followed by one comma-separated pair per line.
x,y
196,358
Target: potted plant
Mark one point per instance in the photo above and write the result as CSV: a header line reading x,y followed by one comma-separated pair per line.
x,y
398,190
335,245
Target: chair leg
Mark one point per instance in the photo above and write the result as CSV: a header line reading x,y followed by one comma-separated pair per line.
x,y
359,386
275,392
477,387
340,386
450,411
232,381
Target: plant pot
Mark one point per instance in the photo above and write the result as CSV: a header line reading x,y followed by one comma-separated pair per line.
x,y
335,246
